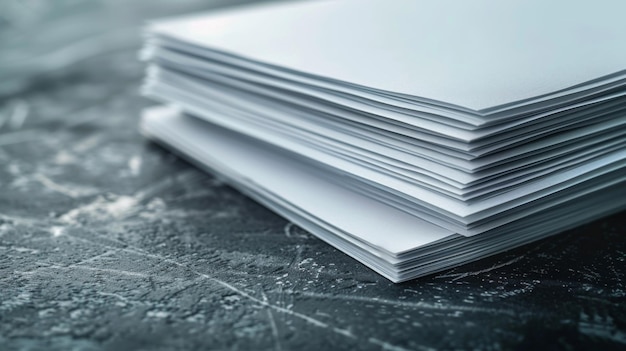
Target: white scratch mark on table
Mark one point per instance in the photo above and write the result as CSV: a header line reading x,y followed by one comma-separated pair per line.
x,y
20,113
273,326
408,304
458,276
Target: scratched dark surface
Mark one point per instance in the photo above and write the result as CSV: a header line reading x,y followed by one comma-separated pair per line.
x,y
108,242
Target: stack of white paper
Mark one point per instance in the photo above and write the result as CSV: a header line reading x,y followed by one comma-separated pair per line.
x,y
412,135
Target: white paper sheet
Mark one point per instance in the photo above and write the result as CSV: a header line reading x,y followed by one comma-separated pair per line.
x,y
478,55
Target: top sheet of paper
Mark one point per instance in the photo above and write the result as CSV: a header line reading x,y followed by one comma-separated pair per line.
x,y
474,54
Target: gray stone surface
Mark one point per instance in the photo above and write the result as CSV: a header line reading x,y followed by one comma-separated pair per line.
x,y
108,242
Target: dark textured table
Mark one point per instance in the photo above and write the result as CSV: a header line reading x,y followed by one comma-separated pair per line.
x,y
109,242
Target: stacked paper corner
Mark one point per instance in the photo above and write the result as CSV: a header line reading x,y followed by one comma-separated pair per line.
x,y
413,136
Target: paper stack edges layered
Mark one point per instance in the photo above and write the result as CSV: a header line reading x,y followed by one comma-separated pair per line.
x,y
412,135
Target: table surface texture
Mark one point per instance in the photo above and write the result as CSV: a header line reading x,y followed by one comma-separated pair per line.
x,y
109,242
